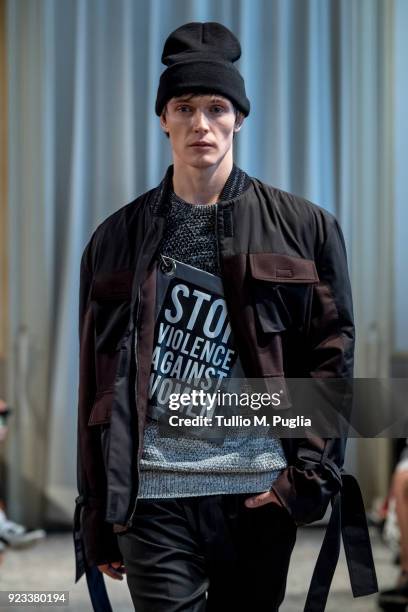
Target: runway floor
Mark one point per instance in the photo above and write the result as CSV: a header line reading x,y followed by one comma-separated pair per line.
x,y
49,566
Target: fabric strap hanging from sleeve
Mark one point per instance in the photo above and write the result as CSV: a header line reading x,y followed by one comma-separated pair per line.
x,y
348,519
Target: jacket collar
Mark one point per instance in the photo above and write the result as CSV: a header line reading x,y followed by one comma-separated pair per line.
x,y
160,200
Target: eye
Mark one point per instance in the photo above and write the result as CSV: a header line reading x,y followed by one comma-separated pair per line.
x,y
183,107
218,109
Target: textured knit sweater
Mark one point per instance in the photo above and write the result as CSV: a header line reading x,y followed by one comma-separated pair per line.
x,y
182,467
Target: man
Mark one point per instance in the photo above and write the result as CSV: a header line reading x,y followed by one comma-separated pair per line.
x,y
205,264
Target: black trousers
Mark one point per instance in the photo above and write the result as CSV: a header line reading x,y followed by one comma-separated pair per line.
x,y
209,553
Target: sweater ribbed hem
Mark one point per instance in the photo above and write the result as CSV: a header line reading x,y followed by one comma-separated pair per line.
x,y
162,484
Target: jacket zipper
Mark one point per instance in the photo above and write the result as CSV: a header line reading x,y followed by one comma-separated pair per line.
x,y
216,237
130,521
163,261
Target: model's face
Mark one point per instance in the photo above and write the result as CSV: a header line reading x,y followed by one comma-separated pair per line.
x,y
200,128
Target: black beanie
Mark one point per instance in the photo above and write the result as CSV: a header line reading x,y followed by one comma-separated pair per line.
x,y
200,59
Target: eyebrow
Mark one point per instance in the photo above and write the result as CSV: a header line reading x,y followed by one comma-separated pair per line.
x,y
188,98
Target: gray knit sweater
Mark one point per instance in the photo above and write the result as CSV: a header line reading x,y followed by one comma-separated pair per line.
x,y
182,467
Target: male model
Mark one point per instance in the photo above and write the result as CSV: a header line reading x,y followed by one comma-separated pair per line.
x,y
212,275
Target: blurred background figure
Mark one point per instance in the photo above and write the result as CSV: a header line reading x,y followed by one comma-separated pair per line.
x,y
3,432
396,535
12,534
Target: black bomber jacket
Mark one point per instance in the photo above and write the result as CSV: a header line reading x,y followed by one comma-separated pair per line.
x,y
288,296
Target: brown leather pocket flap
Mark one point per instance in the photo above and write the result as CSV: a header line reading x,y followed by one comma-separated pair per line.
x,y
281,289
114,286
282,268
102,408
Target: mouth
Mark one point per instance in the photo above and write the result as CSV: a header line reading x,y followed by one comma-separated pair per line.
x,y
202,145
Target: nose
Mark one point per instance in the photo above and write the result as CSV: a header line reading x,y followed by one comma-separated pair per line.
x,y
200,122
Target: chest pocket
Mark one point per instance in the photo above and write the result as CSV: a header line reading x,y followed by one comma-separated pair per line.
x,y
111,299
282,290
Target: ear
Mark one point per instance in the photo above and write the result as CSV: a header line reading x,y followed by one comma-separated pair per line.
x,y
163,124
239,122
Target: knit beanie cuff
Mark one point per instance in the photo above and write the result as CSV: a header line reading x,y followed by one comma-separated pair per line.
x,y
202,76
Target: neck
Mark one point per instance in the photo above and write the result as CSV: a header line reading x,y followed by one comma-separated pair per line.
x,y
201,185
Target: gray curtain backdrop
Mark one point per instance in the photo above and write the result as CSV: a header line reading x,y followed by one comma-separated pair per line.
x,y
84,141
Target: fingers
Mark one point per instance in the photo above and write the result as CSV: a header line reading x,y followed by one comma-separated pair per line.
x,y
268,497
114,570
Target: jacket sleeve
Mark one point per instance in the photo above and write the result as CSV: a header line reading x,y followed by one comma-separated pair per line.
x,y
313,475
97,542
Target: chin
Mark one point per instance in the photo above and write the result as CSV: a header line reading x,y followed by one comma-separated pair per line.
x,y
202,161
